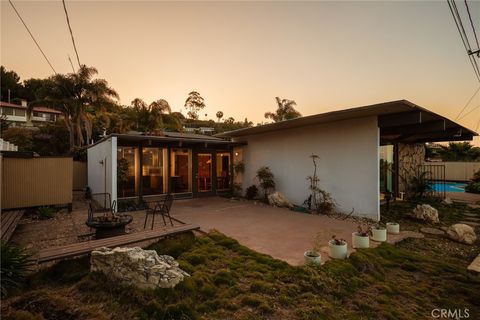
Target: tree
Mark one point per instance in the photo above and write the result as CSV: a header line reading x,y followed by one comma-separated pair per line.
x,y
285,111
194,104
157,115
9,80
219,115
230,120
78,95
459,151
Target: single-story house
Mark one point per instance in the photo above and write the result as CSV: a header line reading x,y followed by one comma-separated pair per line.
x,y
351,145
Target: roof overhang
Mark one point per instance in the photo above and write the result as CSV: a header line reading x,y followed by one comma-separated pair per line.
x,y
399,121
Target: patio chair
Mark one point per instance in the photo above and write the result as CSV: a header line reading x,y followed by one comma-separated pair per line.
x,y
162,208
100,203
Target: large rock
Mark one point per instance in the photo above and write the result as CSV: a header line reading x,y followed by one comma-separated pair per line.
x,y
279,200
137,267
462,233
426,212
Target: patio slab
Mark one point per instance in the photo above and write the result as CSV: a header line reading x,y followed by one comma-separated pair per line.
x,y
278,232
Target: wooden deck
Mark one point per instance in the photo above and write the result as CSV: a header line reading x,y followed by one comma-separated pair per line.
x,y
78,249
9,222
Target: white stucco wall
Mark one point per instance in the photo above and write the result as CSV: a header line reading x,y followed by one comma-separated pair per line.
x,y
102,167
347,167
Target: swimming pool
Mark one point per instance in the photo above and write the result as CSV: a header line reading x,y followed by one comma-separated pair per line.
x,y
449,186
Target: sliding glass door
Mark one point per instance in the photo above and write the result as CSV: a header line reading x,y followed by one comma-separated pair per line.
x,y
181,170
154,171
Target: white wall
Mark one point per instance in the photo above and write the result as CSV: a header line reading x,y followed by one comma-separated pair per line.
x,y
102,167
347,167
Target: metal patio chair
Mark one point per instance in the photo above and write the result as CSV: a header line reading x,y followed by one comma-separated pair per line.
x,y
162,208
100,203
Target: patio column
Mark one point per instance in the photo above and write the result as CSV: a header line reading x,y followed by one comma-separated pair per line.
x,y
410,156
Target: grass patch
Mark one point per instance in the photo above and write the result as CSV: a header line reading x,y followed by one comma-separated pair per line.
x,y
230,281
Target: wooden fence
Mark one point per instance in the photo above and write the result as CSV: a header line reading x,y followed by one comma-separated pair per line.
x,y
79,175
37,181
458,171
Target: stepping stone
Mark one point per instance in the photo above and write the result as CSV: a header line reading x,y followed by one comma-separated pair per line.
x,y
471,219
396,238
474,215
474,206
471,223
433,231
475,265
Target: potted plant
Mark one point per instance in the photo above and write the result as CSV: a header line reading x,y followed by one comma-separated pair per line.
x,y
361,238
312,257
338,248
393,228
379,233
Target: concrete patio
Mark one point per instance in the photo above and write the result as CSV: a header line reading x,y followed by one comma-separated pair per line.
x,y
278,232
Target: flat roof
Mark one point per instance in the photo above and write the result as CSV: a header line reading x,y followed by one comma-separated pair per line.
x,y
388,111
167,137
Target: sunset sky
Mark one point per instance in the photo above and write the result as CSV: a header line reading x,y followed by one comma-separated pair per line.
x,y
240,55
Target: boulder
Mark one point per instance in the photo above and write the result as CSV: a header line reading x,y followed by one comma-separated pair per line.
x,y
447,200
426,212
278,199
134,266
462,233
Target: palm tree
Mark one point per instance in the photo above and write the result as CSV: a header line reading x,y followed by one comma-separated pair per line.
x,y
459,151
285,110
219,115
77,96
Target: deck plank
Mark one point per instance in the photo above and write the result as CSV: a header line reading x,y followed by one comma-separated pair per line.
x,y
9,222
76,249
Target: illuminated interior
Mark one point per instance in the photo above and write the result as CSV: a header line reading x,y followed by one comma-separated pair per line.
x,y
204,175
154,174
223,171
181,170
127,166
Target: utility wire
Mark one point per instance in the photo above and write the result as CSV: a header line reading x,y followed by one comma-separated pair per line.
x,y
471,23
468,102
31,35
471,110
73,69
71,33
463,35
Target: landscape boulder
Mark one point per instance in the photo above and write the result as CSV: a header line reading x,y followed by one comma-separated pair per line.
x,y
426,212
447,200
134,266
462,233
279,200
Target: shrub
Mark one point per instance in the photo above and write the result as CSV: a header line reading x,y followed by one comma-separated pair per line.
x,y
45,213
473,187
15,263
251,192
265,177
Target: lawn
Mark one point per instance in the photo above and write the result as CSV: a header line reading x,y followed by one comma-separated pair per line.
x,y
230,281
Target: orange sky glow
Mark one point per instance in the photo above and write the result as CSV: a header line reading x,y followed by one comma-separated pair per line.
x,y
240,55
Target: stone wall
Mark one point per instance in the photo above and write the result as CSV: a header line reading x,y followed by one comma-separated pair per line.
x,y
410,156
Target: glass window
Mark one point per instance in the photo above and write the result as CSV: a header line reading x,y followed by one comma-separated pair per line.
x,y
7,111
153,171
20,112
181,170
38,114
204,174
127,172
223,170
386,168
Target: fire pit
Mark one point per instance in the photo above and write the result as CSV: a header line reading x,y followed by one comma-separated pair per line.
x,y
109,225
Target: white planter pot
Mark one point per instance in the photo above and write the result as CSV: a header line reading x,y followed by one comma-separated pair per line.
x,y
379,235
337,251
359,241
393,228
312,258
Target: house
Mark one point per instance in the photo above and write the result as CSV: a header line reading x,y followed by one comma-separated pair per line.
x,y
135,165
17,113
350,144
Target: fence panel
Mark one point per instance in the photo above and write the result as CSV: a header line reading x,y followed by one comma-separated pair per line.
x,y
458,171
31,182
79,175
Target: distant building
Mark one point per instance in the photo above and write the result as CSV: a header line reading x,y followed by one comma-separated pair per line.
x,y
17,113
200,130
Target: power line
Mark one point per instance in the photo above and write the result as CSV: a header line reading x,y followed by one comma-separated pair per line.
x,y
71,33
471,110
471,23
31,35
468,102
73,69
458,22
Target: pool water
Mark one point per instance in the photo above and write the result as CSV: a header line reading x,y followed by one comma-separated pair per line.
x,y
449,187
